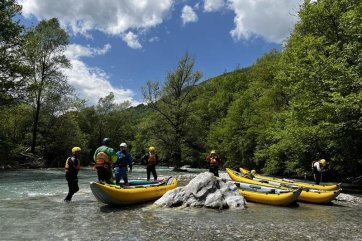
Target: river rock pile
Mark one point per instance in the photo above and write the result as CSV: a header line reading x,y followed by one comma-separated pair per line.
x,y
188,177
342,197
205,190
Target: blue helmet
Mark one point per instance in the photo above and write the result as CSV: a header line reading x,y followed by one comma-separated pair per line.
x,y
106,141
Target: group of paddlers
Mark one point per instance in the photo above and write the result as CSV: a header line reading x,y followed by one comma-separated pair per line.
x,y
107,162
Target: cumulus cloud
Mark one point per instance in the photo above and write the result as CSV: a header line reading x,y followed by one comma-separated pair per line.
x,y
92,83
75,51
272,20
111,17
213,5
132,40
188,15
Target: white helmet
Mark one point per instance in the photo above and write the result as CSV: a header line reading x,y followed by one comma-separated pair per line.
x,y
123,145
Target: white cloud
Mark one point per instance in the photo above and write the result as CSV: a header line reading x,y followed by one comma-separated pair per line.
x,y
75,51
272,20
188,15
112,17
132,40
197,6
213,5
154,39
92,83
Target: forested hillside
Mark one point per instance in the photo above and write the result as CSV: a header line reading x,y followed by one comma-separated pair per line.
x,y
280,114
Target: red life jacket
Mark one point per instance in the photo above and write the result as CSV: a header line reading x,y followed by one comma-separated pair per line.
x,y
213,160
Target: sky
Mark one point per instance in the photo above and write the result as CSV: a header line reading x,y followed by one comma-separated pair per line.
x,y
118,45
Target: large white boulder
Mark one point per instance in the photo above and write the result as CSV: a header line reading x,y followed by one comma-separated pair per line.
x,y
205,190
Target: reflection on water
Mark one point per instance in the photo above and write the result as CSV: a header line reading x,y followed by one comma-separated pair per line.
x,y
43,216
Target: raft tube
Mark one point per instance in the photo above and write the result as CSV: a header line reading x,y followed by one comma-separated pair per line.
x,y
134,193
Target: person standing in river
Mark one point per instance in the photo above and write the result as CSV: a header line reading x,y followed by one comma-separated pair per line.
x,y
151,159
318,167
104,158
72,167
214,161
124,159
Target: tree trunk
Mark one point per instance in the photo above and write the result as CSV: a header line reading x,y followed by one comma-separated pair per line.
x,y
177,157
35,128
36,123
177,151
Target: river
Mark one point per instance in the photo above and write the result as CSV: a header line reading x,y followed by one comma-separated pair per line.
x,y
32,208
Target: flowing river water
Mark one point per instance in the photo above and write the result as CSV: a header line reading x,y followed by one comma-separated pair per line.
x,y
32,208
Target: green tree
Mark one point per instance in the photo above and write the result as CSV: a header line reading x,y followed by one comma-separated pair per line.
x,y
104,108
242,129
44,52
113,121
320,75
64,134
14,132
11,68
172,103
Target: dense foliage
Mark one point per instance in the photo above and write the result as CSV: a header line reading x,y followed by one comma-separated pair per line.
x,y
280,114
11,68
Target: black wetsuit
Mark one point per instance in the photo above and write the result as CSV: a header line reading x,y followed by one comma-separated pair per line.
x,y
151,166
72,177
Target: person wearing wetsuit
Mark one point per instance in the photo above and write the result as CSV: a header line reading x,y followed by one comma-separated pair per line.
x,y
72,167
151,159
124,159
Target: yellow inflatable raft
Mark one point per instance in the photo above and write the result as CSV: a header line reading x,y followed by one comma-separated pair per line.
x,y
138,191
307,195
292,182
267,195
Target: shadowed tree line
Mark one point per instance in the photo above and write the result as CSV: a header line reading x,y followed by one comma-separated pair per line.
x,y
286,110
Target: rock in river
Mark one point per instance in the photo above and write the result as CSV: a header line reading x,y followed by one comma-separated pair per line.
x,y
205,190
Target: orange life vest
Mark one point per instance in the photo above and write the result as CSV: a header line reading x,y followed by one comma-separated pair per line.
x,y
102,159
152,159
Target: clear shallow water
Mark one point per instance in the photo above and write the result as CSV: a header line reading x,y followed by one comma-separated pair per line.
x,y
31,208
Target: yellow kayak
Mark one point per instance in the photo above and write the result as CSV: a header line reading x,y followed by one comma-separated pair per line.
x,y
307,195
267,195
292,182
138,191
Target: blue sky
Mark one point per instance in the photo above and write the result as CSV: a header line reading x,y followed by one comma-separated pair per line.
x,y
118,45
